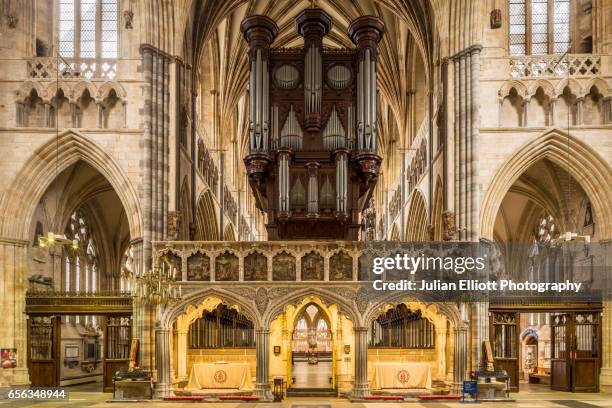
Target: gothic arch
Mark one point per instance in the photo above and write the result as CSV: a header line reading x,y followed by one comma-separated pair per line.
x,y
416,226
107,87
519,86
438,205
229,234
590,170
547,87
395,234
447,309
206,225
26,88
600,84
573,85
197,298
30,183
83,86
327,297
55,86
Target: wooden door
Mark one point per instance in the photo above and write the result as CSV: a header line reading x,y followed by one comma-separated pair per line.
x,y
576,351
585,351
560,337
505,342
117,340
43,350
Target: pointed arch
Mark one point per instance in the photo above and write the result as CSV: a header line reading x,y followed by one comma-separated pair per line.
x,y
588,168
395,233
26,88
518,86
19,202
416,227
547,87
599,83
573,85
206,224
229,234
83,86
55,86
186,211
109,86
438,205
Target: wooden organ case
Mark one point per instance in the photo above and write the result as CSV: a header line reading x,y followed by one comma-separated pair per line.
x,y
312,161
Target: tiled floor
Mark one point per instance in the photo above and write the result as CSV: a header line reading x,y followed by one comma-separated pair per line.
x,y
535,397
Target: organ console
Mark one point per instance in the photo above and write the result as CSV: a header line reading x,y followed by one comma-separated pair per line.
x,y
312,161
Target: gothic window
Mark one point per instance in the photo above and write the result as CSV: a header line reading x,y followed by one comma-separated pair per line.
x,y
88,28
81,264
538,27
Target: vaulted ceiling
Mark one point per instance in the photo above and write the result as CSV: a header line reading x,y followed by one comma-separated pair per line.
x,y
221,52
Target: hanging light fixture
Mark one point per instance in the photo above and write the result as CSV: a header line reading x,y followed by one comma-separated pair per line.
x,y
568,236
157,286
53,239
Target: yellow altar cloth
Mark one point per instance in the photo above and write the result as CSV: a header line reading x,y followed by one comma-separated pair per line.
x,y
401,375
220,375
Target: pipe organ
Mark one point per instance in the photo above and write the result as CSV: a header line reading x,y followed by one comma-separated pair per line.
x,y
312,160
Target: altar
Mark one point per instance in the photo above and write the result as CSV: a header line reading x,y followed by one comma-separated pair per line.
x,y
220,375
401,375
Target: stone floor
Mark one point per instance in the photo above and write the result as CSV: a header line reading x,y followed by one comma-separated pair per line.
x,y
534,397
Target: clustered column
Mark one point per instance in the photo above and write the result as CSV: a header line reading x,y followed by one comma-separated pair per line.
x,y
467,127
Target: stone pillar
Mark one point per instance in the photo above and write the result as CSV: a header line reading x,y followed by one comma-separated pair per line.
x,y
262,351
441,350
13,284
551,113
162,362
579,111
480,324
460,354
361,388
182,353
525,114
605,375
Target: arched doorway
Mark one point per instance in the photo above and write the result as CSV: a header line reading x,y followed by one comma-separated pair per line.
x,y
548,200
311,349
83,338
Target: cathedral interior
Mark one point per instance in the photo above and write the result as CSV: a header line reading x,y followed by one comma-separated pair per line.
x,y
191,190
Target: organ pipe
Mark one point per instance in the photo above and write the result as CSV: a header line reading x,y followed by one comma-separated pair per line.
x,y
313,189
283,181
333,135
341,182
259,91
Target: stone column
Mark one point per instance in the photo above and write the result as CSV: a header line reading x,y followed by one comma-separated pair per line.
x,y
182,354
361,388
551,113
13,285
605,375
480,324
162,362
460,354
579,111
441,350
262,350
525,114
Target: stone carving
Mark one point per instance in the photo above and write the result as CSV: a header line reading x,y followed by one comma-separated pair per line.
x,y
341,267
312,267
255,267
174,224
363,299
496,18
261,300
128,17
345,292
283,267
226,267
198,267
450,226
